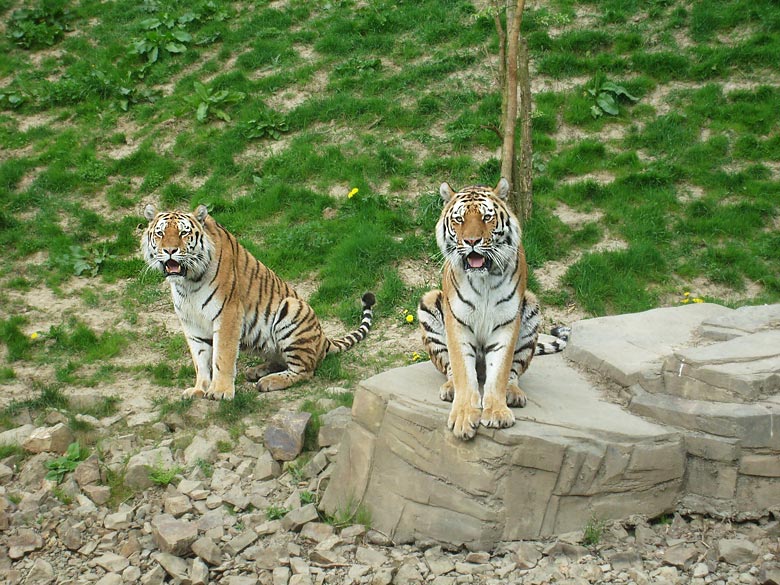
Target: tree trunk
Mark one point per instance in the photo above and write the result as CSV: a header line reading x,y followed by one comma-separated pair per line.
x,y
525,185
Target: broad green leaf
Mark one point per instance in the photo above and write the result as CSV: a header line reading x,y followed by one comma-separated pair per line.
x,y
203,110
607,103
175,47
617,90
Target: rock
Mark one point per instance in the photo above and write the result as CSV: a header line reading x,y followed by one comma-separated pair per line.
x,y
177,506
317,531
769,574
201,449
24,542
49,439
112,562
437,562
296,519
284,434
240,542
175,567
173,536
16,436
118,520
625,560
267,467
207,550
88,471
41,572
281,576
681,556
402,407
737,551
332,425
370,557
527,555
99,494
139,466
199,572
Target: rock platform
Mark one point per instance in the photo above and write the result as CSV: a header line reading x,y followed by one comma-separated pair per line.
x,y
641,414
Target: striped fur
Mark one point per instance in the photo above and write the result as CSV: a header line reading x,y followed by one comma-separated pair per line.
x,y
482,328
226,299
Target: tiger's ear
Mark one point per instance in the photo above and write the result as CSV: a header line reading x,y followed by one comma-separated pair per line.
x,y
446,191
201,212
502,189
150,212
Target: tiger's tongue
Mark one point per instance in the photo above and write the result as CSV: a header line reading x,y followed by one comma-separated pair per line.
x,y
475,260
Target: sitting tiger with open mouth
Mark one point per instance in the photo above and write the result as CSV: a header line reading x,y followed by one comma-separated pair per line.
x,y
482,327
226,299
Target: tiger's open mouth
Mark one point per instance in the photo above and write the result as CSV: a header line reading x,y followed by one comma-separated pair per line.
x,y
173,268
476,261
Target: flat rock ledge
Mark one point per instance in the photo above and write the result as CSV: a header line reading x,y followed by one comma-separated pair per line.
x,y
642,414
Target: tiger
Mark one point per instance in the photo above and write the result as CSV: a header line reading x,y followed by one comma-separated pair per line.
x,y
482,328
226,299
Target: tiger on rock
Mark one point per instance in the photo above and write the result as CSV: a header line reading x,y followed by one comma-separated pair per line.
x,y
226,299
481,329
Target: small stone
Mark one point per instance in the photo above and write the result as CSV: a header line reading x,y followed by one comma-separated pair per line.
x,y
296,519
112,562
317,531
284,434
177,506
173,536
700,570
240,542
199,572
737,551
49,439
176,567
280,576
207,550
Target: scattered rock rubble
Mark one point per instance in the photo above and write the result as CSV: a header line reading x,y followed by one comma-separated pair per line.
x,y
211,524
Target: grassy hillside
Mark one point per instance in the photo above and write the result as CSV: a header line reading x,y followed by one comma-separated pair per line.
x,y
657,159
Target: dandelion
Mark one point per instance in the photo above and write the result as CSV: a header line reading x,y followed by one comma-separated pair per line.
x,y
416,357
352,193
698,300
410,318
35,335
686,298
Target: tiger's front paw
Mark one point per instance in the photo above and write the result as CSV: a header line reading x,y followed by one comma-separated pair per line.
x,y
497,417
515,396
192,393
215,392
254,373
447,391
463,421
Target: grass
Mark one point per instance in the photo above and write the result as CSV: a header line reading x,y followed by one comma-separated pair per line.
x,y
271,115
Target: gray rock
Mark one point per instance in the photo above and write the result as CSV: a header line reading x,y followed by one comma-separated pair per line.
x,y
332,426
16,436
139,466
769,574
437,562
201,449
737,551
173,536
177,505
296,519
240,542
41,572
88,471
681,556
207,550
112,562
284,434
267,467
199,572
25,541
317,531
175,566
49,439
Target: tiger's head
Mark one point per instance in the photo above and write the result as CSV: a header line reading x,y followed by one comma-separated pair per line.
x,y
477,232
176,243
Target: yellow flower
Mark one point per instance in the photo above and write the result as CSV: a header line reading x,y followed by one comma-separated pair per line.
x,y
410,318
416,357
352,193
698,300
34,335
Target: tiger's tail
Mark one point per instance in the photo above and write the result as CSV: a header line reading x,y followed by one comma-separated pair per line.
x,y
561,335
350,339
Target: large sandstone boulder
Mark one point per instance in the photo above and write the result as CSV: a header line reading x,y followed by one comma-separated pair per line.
x,y
614,427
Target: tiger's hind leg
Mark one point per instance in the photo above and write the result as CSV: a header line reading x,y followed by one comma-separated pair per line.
x,y
434,338
530,319
299,342
254,373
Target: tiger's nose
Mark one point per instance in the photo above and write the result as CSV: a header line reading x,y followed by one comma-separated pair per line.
x,y
472,241
170,251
